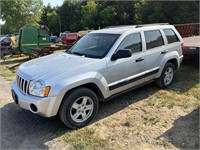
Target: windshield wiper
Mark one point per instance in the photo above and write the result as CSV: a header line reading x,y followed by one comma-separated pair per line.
x,y
77,53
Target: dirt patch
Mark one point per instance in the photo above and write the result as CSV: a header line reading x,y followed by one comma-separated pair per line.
x,y
5,96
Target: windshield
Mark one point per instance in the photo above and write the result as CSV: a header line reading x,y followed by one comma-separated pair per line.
x,y
94,45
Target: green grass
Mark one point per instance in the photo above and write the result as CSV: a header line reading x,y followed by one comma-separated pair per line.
x,y
8,74
85,139
163,142
150,119
164,98
184,92
8,68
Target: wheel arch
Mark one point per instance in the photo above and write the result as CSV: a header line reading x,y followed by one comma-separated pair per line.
x,y
174,62
92,86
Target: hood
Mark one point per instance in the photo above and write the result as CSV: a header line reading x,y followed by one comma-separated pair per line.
x,y
52,65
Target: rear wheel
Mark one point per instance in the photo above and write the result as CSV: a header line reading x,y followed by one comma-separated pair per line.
x,y
79,107
167,76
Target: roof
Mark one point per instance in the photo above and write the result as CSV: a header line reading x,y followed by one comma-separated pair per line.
x,y
114,30
122,29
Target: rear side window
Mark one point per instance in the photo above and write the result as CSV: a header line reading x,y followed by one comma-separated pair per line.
x,y
132,42
171,36
153,39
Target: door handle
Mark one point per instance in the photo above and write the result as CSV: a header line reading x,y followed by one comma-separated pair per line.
x,y
139,59
164,52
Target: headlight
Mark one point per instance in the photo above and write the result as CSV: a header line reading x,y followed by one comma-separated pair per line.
x,y
38,88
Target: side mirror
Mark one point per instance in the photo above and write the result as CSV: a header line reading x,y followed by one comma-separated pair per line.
x,y
124,53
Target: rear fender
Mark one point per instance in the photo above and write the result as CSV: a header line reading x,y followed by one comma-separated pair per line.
x,y
167,57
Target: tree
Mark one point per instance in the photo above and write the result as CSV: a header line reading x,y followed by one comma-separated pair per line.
x,y
173,12
3,29
53,22
89,15
70,15
116,13
46,9
18,13
107,16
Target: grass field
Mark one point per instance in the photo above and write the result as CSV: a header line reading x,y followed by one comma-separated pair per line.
x,y
146,118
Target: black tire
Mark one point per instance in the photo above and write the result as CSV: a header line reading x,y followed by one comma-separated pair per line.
x,y
32,56
162,81
76,98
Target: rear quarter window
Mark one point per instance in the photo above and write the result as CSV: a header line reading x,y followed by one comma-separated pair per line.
x,y
153,39
171,36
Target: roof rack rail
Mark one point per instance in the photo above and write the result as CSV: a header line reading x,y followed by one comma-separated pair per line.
x,y
144,25
118,26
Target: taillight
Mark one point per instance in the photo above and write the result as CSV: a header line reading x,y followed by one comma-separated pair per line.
x,y
184,48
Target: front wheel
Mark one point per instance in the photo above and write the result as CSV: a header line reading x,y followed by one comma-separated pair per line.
x,y
167,76
79,107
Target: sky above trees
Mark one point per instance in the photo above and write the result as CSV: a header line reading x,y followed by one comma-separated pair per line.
x,y
53,2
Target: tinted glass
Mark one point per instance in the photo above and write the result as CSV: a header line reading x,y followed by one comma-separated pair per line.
x,y
94,45
153,39
132,42
171,36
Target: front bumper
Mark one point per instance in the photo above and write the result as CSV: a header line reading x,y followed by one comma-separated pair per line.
x,y
45,106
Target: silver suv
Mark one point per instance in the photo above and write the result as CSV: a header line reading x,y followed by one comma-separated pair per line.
x,y
101,65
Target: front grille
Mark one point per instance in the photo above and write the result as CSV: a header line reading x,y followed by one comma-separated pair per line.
x,y
22,84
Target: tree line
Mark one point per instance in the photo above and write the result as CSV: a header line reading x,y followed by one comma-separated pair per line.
x,y
83,15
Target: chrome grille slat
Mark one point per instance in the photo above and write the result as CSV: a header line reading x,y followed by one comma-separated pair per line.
x,y
22,84
27,87
17,80
23,89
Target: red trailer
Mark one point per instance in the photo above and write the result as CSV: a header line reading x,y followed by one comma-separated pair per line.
x,y
191,38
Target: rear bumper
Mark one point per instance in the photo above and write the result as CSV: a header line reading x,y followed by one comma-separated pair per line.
x,y
45,106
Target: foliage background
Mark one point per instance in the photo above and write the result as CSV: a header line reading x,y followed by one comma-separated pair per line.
x,y
82,15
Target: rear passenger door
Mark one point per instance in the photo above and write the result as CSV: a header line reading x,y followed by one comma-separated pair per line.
x,y
155,50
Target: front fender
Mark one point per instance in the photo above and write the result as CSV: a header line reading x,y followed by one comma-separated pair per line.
x,y
81,79
69,83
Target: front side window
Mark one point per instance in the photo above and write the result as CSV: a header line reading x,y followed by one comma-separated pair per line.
x,y
132,42
171,36
153,39
94,45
